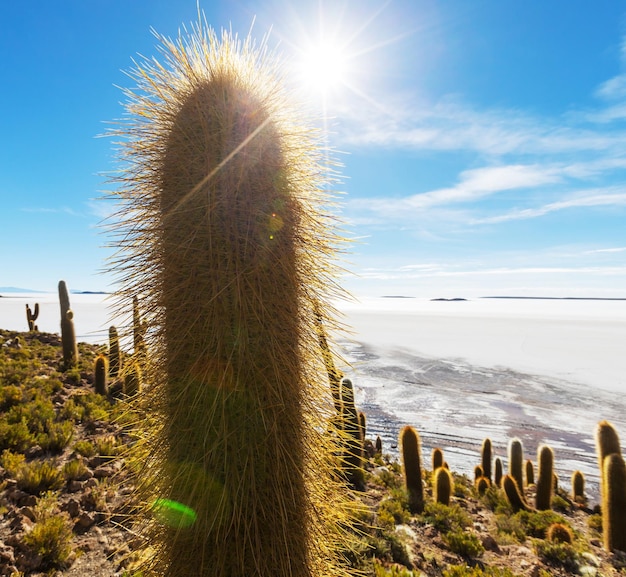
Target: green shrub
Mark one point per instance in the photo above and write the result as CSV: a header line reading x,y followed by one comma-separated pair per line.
x,y
511,525
465,571
445,518
464,543
394,510
558,554
11,461
536,523
39,476
56,437
51,539
393,571
74,469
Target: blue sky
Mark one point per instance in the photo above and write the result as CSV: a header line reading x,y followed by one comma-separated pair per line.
x,y
483,142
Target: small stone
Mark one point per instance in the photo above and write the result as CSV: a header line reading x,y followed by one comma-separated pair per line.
x,y
93,482
73,508
86,520
74,486
591,559
34,451
29,513
587,571
490,544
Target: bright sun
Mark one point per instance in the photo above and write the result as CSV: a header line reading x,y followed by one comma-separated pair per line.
x,y
323,68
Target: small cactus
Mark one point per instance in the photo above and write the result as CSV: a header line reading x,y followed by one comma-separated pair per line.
x,y
31,317
530,472
486,456
614,503
559,533
478,472
412,462
443,485
437,458
101,375
482,484
497,476
115,359
132,380
516,460
578,488
545,478
513,494
379,445
68,335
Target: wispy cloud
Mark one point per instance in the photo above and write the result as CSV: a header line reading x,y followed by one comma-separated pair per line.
x,y
46,210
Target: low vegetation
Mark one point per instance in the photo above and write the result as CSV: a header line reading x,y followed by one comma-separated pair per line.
x,y
66,493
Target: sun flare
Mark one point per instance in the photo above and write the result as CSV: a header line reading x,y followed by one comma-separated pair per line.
x,y
323,68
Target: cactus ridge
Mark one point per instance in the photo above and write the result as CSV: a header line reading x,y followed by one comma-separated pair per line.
x,y
224,232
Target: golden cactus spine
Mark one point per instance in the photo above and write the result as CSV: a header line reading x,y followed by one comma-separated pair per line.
x,y
68,334
559,533
545,478
226,238
411,449
614,503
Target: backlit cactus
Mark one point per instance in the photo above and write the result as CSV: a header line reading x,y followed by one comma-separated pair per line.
x,y
516,462
497,475
614,503
225,235
559,533
101,370
437,458
607,443
132,380
514,494
486,457
530,472
443,485
545,478
352,436
411,449
578,488
68,334
115,358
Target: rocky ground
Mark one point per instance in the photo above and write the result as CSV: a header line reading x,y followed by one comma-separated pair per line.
x,y
66,493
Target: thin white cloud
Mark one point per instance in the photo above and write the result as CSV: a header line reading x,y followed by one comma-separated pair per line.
x,y
62,210
606,250
590,200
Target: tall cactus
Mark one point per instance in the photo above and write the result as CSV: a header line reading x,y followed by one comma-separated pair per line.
x,y
486,455
607,443
115,359
443,484
614,503
68,334
497,475
225,234
101,370
410,445
516,462
352,434
545,478
530,472
578,487
31,317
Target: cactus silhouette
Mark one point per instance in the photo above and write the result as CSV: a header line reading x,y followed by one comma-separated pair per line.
x,y
513,494
530,472
334,374
132,379
68,335
497,476
516,462
443,485
607,442
115,359
614,503
486,457
545,478
478,473
436,458
227,240
352,435
412,464
101,370
482,484
578,487
379,445
31,317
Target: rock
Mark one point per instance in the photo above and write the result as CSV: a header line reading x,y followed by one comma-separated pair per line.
x,y
85,520
75,486
73,508
591,559
34,451
490,544
587,571
29,513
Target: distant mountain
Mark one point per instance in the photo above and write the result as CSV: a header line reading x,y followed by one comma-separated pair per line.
x,y
13,289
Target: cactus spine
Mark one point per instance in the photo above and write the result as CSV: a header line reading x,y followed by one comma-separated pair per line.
x,y
412,464
545,478
31,317
614,503
68,335
486,457
115,359
443,484
228,242
516,462
101,375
